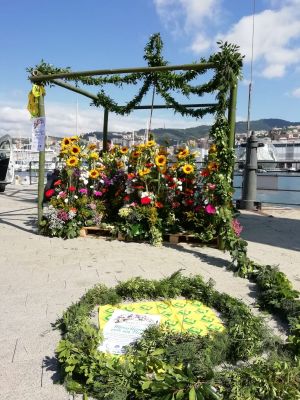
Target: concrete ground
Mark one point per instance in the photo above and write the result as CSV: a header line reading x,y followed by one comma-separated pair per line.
x,y
41,277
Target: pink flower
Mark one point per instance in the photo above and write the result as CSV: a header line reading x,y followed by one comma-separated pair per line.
x,y
97,193
236,226
145,200
83,191
62,195
211,186
210,209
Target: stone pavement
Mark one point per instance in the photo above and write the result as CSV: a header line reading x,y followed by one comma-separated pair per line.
x,y
41,277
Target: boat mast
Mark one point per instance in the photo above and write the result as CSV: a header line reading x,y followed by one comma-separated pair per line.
x,y
251,73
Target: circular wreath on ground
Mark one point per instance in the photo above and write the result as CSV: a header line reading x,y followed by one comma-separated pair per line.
x,y
242,361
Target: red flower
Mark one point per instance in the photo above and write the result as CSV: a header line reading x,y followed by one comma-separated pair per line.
x,y
158,204
127,198
139,187
145,200
189,202
72,189
149,165
57,183
49,193
205,172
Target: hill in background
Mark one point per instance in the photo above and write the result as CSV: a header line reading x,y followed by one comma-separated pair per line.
x,y
175,135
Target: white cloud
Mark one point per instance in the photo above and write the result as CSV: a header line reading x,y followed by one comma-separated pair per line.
x,y
296,92
200,44
274,71
61,120
277,30
276,34
186,16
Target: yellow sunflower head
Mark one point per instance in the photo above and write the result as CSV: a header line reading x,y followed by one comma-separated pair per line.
x,y
93,173
144,171
66,142
135,154
188,169
213,148
74,139
72,161
124,150
150,143
183,154
160,160
75,150
94,155
92,146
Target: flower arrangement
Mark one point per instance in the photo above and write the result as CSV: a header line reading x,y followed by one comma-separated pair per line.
x,y
144,191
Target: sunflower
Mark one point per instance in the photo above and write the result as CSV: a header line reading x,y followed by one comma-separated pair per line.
x,y
150,143
120,164
94,155
213,148
92,146
65,142
212,166
75,150
188,169
72,161
141,146
64,149
74,138
135,154
162,169
144,171
160,160
183,154
93,173
124,150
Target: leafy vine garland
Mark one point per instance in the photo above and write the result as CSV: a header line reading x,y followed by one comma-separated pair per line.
x,y
164,365
227,63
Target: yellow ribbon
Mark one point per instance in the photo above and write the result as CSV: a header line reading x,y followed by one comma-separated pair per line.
x,y
33,99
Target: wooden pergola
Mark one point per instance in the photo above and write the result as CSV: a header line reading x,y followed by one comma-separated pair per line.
x,y
56,78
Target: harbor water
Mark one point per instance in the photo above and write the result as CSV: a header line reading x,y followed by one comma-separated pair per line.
x,y
273,188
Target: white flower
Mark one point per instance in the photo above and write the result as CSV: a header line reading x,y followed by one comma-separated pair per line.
x,y
75,197
66,200
92,186
144,194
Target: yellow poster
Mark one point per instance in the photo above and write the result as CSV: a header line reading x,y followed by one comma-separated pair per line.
x,y
189,316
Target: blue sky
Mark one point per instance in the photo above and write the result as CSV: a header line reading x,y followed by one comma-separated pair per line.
x,y
96,34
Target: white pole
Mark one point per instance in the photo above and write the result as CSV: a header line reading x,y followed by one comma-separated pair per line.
x,y
132,138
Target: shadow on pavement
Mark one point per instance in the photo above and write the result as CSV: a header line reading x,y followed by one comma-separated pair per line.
x,y
208,259
51,364
270,230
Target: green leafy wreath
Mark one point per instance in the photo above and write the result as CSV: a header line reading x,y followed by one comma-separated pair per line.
x,y
230,365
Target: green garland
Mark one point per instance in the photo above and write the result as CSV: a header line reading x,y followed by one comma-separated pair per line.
x,y
175,366
228,64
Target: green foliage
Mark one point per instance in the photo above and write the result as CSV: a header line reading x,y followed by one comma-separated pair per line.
x,y
165,365
272,379
227,64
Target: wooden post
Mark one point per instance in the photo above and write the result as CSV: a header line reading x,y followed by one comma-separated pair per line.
x,y
41,177
231,116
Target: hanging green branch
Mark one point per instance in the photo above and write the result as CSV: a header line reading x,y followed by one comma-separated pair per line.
x,y
227,61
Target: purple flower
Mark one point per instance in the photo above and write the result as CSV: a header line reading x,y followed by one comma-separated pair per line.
x,y
210,209
83,191
97,193
92,206
236,226
62,215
